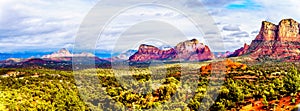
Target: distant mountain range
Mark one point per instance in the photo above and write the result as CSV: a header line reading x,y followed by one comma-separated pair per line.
x,y
64,53
274,42
24,55
61,60
121,57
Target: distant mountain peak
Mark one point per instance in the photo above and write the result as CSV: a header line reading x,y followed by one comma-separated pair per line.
x,y
66,53
63,51
194,41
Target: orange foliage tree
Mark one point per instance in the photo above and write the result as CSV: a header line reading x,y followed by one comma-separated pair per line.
x,y
229,65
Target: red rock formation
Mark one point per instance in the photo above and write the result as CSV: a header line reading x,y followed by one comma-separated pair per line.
x,y
288,30
202,54
267,32
190,50
148,52
226,66
241,51
35,61
275,42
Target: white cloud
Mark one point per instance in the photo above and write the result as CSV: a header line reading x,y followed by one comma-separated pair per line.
x,y
40,24
43,24
231,28
249,19
140,15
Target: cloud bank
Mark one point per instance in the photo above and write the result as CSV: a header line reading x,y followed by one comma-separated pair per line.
x,y
42,25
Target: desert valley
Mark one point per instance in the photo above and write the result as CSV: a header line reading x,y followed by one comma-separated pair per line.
x,y
264,75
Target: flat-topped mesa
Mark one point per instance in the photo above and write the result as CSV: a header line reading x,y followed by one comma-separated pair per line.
x,y
189,45
275,41
190,50
147,49
288,30
149,52
193,50
267,32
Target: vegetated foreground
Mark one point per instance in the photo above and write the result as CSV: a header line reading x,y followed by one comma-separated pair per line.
x,y
265,86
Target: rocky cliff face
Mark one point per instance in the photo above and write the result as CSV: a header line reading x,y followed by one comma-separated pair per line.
x,y
190,50
241,51
267,32
193,50
288,30
275,41
148,52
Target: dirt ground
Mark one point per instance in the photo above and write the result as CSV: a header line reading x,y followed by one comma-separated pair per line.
x,y
283,105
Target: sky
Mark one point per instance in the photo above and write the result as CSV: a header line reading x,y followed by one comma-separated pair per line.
x,y
49,25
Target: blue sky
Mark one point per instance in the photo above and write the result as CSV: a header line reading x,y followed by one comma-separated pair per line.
x,y
247,4
48,25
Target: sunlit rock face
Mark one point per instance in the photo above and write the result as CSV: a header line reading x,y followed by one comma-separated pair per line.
x,y
193,50
267,32
149,52
275,41
288,30
190,50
